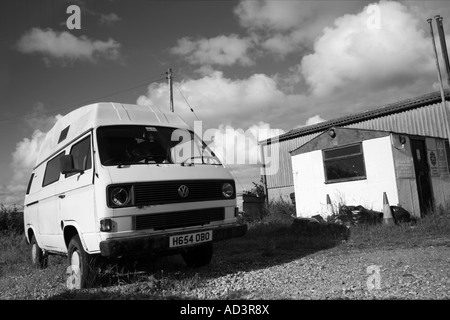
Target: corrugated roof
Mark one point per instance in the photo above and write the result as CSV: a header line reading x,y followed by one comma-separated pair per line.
x,y
395,107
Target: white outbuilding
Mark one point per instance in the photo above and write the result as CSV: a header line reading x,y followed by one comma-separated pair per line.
x,y
426,115
357,166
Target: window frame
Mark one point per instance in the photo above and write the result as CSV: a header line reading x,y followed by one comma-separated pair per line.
x,y
193,137
344,157
88,137
30,182
46,169
63,134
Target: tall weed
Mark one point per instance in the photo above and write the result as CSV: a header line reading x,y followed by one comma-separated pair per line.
x,y
11,219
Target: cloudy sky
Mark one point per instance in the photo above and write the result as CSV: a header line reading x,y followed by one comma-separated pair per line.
x,y
247,68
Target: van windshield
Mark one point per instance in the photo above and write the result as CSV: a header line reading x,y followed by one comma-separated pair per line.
x,y
131,144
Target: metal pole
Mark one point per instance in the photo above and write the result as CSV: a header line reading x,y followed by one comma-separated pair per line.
x,y
169,80
430,21
446,115
264,176
440,28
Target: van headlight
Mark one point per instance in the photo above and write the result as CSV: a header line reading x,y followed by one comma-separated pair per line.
x,y
227,190
120,196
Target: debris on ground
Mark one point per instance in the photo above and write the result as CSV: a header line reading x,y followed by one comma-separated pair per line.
x,y
339,224
401,215
355,215
318,226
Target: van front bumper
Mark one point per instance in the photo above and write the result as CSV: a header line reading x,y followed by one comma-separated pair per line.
x,y
114,248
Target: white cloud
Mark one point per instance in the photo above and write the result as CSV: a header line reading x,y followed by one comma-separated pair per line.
x,y
279,44
25,155
238,150
271,14
311,121
220,100
285,27
23,161
220,50
237,146
314,120
39,118
64,47
351,67
352,56
109,19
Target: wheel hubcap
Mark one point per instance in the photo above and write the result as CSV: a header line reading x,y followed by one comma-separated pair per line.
x,y
34,253
75,261
73,272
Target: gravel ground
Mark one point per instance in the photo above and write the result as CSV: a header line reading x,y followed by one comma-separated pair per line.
x,y
420,273
337,273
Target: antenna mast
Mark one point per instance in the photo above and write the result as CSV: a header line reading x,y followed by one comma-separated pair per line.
x,y
443,45
169,81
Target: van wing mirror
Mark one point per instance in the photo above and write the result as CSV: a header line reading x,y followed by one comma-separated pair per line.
x,y
67,165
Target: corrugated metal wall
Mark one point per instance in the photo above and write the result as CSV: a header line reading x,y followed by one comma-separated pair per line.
x,y
425,121
283,176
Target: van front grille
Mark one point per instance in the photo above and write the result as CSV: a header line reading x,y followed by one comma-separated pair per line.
x,y
163,192
170,220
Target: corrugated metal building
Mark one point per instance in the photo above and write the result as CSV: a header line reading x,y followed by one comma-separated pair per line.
x,y
424,115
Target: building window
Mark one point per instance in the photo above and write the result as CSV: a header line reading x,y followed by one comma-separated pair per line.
x,y
344,163
52,171
81,153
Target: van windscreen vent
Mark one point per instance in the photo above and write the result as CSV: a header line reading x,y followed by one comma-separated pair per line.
x,y
63,134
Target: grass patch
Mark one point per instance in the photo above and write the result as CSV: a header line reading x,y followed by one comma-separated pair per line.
x,y
434,228
269,241
12,249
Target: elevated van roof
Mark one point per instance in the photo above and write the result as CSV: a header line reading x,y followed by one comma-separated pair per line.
x,y
95,115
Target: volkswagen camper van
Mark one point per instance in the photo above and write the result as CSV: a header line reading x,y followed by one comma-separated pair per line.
x,y
113,180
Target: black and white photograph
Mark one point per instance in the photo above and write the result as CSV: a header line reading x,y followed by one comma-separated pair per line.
x,y
224,157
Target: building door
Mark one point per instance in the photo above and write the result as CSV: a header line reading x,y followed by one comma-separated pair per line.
x,y
423,180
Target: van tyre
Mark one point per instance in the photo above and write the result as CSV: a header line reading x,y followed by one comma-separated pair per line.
x,y
80,272
198,256
38,258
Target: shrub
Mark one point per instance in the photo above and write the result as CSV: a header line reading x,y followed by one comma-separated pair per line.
x,y
11,219
258,189
279,211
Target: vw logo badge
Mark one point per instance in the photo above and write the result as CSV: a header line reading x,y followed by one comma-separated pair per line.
x,y
183,191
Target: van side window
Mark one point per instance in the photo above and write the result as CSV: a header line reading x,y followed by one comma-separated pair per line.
x,y
29,183
81,153
52,170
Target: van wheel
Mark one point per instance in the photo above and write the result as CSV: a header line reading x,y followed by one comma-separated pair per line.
x,y
38,257
80,273
198,256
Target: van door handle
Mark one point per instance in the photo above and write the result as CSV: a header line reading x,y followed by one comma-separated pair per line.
x,y
62,196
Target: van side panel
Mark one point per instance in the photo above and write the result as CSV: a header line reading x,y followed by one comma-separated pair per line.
x,y
47,217
77,208
76,199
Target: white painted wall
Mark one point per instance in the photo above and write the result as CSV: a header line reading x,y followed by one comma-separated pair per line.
x,y
311,190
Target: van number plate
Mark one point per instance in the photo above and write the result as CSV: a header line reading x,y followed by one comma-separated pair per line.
x,y
190,238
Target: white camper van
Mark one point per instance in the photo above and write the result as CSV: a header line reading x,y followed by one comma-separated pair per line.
x,y
117,179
